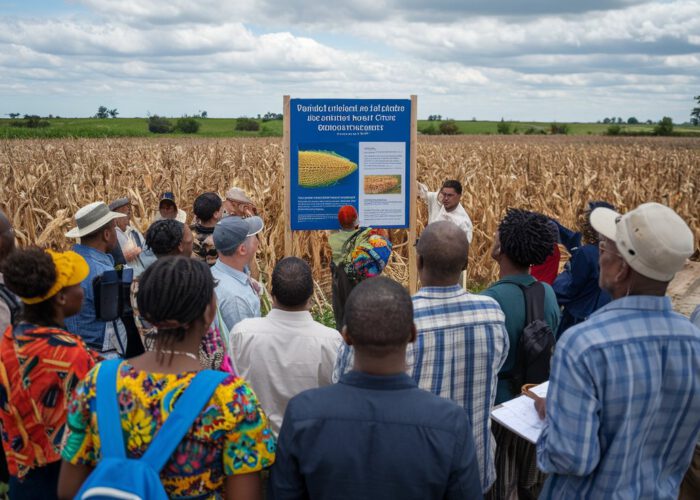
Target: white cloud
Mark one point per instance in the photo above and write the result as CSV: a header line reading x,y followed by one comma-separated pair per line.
x,y
462,58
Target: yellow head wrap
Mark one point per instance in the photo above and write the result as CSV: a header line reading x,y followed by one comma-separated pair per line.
x,y
71,269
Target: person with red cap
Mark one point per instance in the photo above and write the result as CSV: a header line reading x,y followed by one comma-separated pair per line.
x,y
342,243
354,248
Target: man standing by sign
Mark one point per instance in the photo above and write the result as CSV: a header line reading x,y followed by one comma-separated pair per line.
x,y
446,205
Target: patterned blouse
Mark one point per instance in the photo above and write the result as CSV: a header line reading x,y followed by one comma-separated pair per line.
x,y
39,368
231,435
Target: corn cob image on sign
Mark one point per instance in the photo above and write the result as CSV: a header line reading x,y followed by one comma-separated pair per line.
x,y
349,152
323,168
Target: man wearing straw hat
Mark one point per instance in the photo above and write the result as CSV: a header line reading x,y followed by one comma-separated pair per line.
x,y
623,401
237,202
96,229
130,239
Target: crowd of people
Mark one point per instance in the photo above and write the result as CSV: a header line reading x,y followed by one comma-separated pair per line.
x,y
142,366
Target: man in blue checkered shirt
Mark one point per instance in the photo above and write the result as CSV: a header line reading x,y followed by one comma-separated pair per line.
x,y
623,407
462,339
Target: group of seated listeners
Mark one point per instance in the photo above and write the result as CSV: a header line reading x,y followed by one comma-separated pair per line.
x,y
142,366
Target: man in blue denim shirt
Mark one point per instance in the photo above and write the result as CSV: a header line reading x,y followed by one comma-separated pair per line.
x,y
375,434
97,232
236,242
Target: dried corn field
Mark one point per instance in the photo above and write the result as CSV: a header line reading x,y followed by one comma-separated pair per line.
x,y
44,182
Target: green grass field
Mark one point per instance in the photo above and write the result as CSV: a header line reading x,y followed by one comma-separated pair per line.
x,y
490,127
130,127
225,127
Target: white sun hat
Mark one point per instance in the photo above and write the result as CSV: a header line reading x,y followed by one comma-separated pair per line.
x,y
92,217
652,238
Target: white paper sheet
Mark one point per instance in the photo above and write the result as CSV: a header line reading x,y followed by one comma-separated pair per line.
x,y
519,414
382,162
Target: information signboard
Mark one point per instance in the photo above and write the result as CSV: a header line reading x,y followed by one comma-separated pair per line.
x,y
349,152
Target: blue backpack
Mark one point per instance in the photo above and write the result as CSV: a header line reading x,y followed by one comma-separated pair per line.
x,y
119,477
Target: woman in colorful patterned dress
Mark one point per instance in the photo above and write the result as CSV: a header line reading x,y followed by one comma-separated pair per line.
x,y
40,365
227,445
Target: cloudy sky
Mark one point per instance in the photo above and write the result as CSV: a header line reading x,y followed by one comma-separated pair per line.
x,y
543,60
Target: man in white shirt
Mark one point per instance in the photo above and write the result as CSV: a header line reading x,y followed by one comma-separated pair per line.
x,y
286,352
446,205
130,239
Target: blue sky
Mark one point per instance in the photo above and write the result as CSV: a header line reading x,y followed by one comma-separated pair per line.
x,y
536,60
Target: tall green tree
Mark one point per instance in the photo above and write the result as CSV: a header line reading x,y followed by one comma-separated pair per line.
x,y
695,113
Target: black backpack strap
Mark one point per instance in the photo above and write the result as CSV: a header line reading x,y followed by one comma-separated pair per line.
x,y
534,301
534,310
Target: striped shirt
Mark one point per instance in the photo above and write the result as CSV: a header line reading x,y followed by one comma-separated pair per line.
x,y
461,345
623,404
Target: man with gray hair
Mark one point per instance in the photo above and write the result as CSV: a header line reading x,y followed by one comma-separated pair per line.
x,y
131,241
623,401
237,202
236,242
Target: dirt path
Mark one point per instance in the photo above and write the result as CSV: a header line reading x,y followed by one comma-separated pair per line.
x,y
684,290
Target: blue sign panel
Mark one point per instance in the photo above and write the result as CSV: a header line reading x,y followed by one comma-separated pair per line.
x,y
349,152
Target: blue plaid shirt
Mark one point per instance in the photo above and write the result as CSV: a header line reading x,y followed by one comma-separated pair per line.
x,y
461,345
623,407
695,317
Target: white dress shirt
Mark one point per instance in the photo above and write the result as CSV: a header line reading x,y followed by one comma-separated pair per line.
x,y
437,212
128,240
281,355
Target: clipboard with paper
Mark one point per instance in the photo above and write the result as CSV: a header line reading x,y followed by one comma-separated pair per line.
x,y
519,415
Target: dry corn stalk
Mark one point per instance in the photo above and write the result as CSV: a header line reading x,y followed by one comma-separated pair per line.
x,y
44,182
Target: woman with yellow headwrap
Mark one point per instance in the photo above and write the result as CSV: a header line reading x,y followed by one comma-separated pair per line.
x,y
40,364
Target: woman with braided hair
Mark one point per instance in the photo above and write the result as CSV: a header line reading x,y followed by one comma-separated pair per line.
x,y
41,363
523,239
170,237
228,444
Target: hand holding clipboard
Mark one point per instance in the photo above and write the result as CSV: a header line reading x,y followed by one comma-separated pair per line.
x,y
540,403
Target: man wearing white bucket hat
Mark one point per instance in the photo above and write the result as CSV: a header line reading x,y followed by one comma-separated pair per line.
x,y
96,229
623,401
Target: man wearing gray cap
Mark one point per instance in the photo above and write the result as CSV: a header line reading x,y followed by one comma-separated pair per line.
x,y
623,401
96,229
236,242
